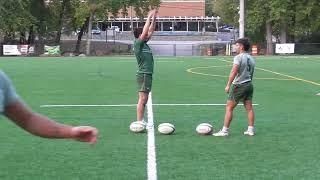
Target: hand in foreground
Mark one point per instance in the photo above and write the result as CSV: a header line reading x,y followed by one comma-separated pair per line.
x,y
84,134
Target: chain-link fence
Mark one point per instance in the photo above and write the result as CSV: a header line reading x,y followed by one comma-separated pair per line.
x,y
298,49
167,48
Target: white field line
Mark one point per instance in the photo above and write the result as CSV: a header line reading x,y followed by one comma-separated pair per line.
x,y
152,164
125,105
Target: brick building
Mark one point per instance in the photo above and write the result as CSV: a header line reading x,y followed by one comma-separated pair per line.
x,y
174,15
171,8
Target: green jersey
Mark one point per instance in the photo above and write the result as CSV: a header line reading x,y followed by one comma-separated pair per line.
x,y
8,94
144,57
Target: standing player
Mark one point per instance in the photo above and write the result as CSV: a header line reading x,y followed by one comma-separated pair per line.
x,y
13,108
144,58
241,88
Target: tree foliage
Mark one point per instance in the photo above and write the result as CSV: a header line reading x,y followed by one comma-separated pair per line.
x,y
15,16
290,20
47,21
294,19
227,10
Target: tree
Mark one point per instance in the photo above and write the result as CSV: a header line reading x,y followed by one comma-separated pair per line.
x,y
286,21
99,9
62,13
306,22
14,17
282,14
43,26
47,21
227,10
259,23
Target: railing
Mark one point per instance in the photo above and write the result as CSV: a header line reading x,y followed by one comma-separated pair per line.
x,y
164,48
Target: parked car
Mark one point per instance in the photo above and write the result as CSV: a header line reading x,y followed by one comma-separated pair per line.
x,y
115,28
228,28
96,31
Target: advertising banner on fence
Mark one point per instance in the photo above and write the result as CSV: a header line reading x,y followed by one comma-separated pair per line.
x,y
284,48
52,50
16,50
11,50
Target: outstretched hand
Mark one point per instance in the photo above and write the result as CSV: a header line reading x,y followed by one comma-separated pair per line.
x,y
84,134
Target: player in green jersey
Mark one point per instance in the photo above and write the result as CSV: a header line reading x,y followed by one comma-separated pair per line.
x,y
145,62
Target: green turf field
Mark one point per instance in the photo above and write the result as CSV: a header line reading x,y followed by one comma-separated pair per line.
x,y
286,145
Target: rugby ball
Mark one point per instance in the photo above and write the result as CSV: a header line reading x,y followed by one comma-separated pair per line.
x,y
137,127
204,129
166,128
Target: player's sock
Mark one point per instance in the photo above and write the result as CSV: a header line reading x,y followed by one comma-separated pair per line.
x,y
250,128
225,129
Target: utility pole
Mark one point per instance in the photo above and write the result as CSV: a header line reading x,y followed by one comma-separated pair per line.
x,y
241,19
131,23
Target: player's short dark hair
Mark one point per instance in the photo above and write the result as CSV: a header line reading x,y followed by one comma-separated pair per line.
x,y
137,32
245,42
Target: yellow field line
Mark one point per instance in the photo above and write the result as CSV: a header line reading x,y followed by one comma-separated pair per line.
x,y
285,75
216,75
190,71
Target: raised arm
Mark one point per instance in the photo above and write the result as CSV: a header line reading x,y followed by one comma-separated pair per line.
x,y
153,24
145,31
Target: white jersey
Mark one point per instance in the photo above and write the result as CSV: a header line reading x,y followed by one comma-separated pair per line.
x,y
246,68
